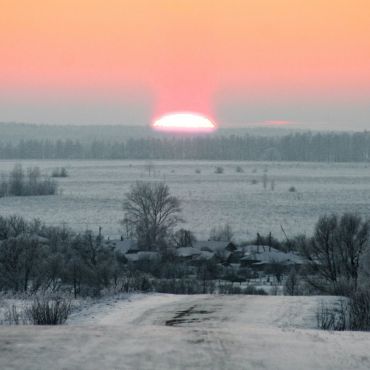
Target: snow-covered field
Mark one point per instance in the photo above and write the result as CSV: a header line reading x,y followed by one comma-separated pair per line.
x,y
158,331
93,194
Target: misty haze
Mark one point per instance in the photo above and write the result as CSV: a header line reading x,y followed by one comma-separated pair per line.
x,y
184,185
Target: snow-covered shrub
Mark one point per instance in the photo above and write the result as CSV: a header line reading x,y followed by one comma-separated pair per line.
x,y
349,314
359,308
292,284
31,182
14,316
48,311
254,291
333,317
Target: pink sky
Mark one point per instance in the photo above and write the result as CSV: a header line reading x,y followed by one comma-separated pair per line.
x,y
239,61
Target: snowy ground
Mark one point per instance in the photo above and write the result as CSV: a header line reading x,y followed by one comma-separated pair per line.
x,y
92,194
158,331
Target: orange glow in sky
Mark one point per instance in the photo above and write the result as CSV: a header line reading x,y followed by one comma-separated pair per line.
x,y
185,54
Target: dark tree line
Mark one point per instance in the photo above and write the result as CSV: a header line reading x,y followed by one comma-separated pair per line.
x,y
35,257
332,147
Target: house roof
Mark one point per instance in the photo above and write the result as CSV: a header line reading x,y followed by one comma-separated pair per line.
x,y
147,255
270,255
211,245
122,246
133,257
32,237
255,248
206,255
188,251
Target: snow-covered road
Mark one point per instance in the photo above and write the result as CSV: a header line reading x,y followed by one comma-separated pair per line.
x,y
187,332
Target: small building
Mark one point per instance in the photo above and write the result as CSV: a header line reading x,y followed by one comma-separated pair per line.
x,y
122,246
261,256
188,253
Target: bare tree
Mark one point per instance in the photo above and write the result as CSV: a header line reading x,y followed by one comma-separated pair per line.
x,y
184,238
264,180
276,269
334,253
353,239
272,185
16,181
222,233
365,265
292,283
152,212
149,166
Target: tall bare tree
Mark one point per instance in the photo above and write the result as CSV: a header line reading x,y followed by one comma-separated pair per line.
x,y
152,213
335,251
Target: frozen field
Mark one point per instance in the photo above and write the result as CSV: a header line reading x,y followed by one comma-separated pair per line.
x,y
93,193
164,332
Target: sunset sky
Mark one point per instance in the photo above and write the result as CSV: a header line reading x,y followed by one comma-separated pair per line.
x,y
305,63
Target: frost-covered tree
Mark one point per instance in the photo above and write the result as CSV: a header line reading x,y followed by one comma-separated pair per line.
x,y
152,213
184,238
222,233
334,252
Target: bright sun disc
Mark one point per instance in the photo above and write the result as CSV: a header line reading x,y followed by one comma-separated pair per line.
x,y
184,122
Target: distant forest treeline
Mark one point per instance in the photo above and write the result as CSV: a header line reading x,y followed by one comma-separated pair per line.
x,y
333,147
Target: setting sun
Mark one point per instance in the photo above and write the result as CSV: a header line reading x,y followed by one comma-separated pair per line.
x,y
184,122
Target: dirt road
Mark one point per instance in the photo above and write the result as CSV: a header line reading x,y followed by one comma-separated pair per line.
x,y
187,332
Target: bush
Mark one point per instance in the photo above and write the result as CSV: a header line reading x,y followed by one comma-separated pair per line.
x,y
251,290
239,169
48,311
230,288
59,172
184,286
19,183
13,316
359,308
292,283
333,317
219,170
292,189
350,314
